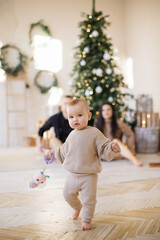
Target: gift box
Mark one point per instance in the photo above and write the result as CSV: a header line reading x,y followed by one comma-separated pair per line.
x,y
147,139
144,103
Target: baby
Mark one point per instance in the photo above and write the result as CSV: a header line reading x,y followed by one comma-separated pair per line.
x,y
81,156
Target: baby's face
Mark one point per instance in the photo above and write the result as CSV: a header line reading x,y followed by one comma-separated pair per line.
x,y
78,116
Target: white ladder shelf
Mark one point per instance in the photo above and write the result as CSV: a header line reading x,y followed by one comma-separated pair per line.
x,y
16,109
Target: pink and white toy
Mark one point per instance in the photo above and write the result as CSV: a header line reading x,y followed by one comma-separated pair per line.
x,y
40,178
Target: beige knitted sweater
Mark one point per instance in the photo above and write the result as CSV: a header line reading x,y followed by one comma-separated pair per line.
x,y
83,150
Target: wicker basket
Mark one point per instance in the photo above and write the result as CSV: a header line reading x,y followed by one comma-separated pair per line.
x,y
147,139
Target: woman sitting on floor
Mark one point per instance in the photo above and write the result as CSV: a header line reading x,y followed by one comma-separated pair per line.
x,y
114,128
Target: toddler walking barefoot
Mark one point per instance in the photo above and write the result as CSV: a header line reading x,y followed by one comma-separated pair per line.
x,y
81,156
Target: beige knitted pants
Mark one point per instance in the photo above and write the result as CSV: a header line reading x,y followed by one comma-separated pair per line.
x,y
86,185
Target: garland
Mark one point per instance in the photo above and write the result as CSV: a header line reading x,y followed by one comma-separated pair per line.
x,y
40,24
44,89
4,65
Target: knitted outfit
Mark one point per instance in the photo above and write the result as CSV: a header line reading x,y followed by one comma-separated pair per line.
x,y
81,156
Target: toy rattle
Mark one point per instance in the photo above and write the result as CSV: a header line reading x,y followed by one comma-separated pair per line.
x,y
40,178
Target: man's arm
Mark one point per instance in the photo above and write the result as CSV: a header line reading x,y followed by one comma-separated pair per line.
x,y
51,122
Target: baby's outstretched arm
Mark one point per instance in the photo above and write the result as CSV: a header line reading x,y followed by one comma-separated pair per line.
x,y
115,147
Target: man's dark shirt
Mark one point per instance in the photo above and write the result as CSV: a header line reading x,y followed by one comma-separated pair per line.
x,y
60,125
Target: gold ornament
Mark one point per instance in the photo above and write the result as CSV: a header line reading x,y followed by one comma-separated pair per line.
x,y
79,85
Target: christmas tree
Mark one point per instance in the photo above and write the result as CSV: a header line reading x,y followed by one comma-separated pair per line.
x,y
96,74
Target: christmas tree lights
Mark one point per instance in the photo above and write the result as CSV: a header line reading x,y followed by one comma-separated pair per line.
x,y
96,74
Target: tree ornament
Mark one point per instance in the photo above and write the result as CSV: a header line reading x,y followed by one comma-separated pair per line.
x,y
95,33
109,71
98,89
106,56
87,93
99,71
83,62
110,99
86,49
94,71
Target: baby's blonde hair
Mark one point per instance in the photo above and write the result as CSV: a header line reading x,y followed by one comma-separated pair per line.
x,y
79,100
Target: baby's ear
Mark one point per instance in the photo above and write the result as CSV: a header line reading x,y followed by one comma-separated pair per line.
x,y
89,115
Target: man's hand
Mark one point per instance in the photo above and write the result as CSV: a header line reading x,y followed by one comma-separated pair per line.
x,y
115,147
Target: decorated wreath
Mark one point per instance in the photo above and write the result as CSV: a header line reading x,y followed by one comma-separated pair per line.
x,y
43,27
5,65
45,89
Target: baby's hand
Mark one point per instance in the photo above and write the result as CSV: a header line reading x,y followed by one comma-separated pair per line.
x,y
51,152
115,147
49,156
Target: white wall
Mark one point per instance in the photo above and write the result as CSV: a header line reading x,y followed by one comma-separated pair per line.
x,y
142,36
134,31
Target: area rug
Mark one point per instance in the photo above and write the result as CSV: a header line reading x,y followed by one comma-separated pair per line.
x,y
17,166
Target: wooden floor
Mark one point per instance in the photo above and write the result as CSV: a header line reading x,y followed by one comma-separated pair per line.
x,y
127,208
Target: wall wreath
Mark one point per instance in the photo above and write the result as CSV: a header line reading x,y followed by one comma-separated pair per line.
x,y
45,89
43,27
22,60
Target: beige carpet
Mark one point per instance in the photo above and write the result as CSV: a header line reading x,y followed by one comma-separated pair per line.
x,y
17,166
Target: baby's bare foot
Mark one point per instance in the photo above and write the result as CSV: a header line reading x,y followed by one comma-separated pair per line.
x,y
76,214
86,226
138,164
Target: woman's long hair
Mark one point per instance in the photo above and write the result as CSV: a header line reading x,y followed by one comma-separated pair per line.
x,y
100,120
